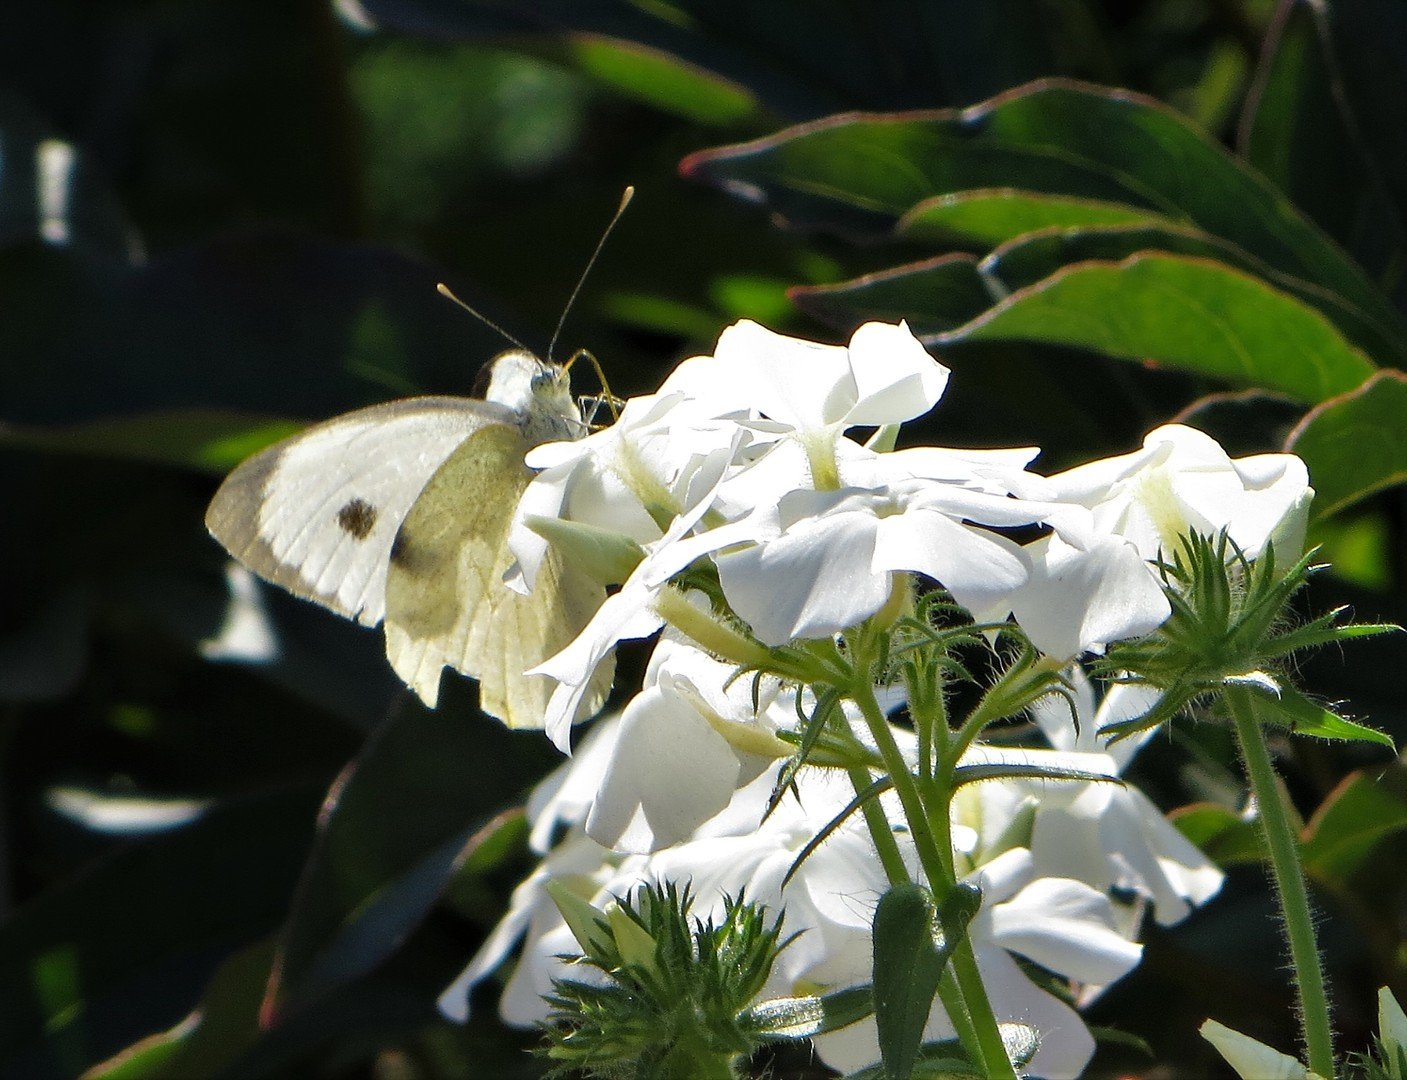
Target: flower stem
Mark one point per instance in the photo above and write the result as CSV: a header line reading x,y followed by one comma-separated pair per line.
x,y
1289,883
989,1053
897,873
889,855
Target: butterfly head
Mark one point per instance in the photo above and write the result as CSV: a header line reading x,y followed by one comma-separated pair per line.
x,y
539,391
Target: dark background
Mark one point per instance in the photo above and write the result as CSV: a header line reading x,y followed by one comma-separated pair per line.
x,y
262,197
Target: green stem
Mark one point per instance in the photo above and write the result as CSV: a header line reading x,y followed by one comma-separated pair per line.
x,y
883,836
989,1051
1283,847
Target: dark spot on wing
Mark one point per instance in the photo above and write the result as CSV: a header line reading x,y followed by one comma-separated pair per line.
x,y
357,518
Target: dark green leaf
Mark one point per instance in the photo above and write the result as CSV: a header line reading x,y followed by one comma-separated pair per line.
x,y
1108,1036
1355,444
898,54
934,296
211,1037
1322,118
394,828
1188,313
987,217
972,774
209,441
1293,710
1362,810
126,948
939,294
863,173
662,80
943,1060
912,943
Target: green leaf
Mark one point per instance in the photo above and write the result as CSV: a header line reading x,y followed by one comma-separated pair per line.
x,y
126,948
933,296
391,834
1293,710
939,294
210,1038
986,217
661,80
1355,444
1193,314
206,440
1363,809
942,1060
907,968
862,173
912,943
851,55
1224,836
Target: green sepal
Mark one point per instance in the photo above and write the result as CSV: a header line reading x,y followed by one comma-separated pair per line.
x,y
1293,710
603,555
789,1019
972,774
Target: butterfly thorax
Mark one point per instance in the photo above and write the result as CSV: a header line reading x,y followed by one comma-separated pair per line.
x,y
540,392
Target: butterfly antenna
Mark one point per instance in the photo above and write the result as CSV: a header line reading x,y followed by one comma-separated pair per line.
x,y
444,291
624,202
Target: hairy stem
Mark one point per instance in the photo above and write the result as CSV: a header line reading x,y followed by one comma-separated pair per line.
x,y
989,1052
1288,876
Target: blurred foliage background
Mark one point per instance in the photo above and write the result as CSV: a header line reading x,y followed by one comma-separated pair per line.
x,y
220,220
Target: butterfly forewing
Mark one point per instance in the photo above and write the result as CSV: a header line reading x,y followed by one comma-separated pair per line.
x,y
318,512
446,604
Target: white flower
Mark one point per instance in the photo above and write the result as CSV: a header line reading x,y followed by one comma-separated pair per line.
x,y
687,742
1106,835
631,478
1092,581
629,613
823,561
829,902
1181,481
589,869
1062,925
884,376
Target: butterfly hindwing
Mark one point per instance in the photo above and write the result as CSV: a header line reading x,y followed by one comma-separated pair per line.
x,y
318,512
446,603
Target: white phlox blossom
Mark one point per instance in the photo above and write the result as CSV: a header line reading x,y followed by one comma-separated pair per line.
x,y
628,478
1181,481
687,742
884,376
829,902
1062,925
823,561
1092,580
629,613
699,446
741,464
1109,836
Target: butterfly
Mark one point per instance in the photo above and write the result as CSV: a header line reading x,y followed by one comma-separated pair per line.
x,y
400,514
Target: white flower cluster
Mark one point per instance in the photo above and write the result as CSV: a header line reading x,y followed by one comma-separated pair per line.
x,y
741,466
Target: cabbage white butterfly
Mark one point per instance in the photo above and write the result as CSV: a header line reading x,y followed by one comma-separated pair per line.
x,y
399,513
